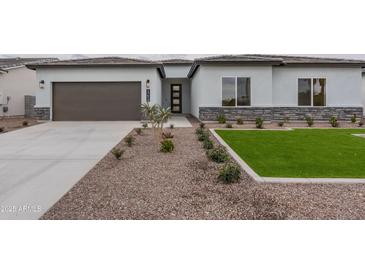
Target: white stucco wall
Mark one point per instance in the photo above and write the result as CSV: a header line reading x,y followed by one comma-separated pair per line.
x,y
185,96
363,90
177,71
206,85
343,84
99,74
17,83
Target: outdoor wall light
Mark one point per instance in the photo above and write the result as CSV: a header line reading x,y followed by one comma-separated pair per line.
x,y
41,84
148,83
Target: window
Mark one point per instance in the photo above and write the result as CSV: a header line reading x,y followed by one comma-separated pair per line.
x,y
312,92
236,91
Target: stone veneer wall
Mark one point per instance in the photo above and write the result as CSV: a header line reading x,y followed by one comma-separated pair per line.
x,y
279,113
29,102
42,113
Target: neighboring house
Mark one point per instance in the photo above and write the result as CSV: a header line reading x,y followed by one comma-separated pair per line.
x,y
247,86
16,81
363,88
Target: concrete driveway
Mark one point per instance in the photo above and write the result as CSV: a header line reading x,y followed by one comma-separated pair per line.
x,y
39,164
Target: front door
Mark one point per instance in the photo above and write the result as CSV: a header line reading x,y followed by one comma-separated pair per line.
x,y
176,98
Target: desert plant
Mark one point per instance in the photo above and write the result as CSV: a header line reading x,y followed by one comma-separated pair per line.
x,y
229,125
286,119
202,125
118,153
259,122
239,121
309,120
218,154
199,131
167,145
167,135
25,123
129,140
145,125
208,144
138,131
221,118
172,126
229,173
281,124
333,121
353,118
203,136
2,129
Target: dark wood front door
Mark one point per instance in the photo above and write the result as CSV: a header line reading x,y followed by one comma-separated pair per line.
x,y
176,98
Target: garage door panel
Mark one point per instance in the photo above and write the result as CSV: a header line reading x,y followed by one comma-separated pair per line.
x,y
96,101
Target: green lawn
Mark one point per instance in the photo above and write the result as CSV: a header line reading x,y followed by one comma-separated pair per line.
x,y
301,153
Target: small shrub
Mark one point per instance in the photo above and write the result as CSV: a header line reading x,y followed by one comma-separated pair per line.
x,y
172,126
333,121
167,145
167,135
145,125
309,120
218,154
25,123
239,121
229,125
259,122
221,118
138,131
281,124
229,173
199,131
202,125
353,119
203,136
208,144
286,119
129,140
118,153
2,129
361,123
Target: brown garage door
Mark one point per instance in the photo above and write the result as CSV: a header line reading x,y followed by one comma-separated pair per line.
x,y
96,101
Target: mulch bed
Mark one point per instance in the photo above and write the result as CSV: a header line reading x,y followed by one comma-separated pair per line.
x,y
13,123
147,184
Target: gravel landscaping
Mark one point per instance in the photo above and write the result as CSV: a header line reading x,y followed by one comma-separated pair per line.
x,y
10,124
147,184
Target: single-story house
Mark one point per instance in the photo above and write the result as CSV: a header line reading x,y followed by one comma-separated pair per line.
x,y
246,86
16,83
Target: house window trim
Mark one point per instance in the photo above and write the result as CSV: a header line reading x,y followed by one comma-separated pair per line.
x,y
325,90
235,91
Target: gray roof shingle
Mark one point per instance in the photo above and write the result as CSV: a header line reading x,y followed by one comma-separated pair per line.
x,y
8,63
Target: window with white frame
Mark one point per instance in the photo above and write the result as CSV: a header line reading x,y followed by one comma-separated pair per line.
x,y
236,91
311,92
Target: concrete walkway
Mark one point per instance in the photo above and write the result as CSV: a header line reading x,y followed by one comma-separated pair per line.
x,y
39,164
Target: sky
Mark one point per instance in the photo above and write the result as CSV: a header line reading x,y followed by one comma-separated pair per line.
x,y
162,56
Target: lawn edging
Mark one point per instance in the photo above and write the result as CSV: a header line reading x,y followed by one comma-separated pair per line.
x,y
281,180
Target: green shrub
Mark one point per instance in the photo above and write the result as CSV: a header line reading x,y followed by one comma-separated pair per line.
x,y
239,121
229,173
281,124
202,125
221,118
229,125
333,121
138,131
145,125
203,136
259,122
117,152
167,135
2,129
167,145
129,140
208,144
353,119
25,123
199,131
309,120
172,126
218,154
